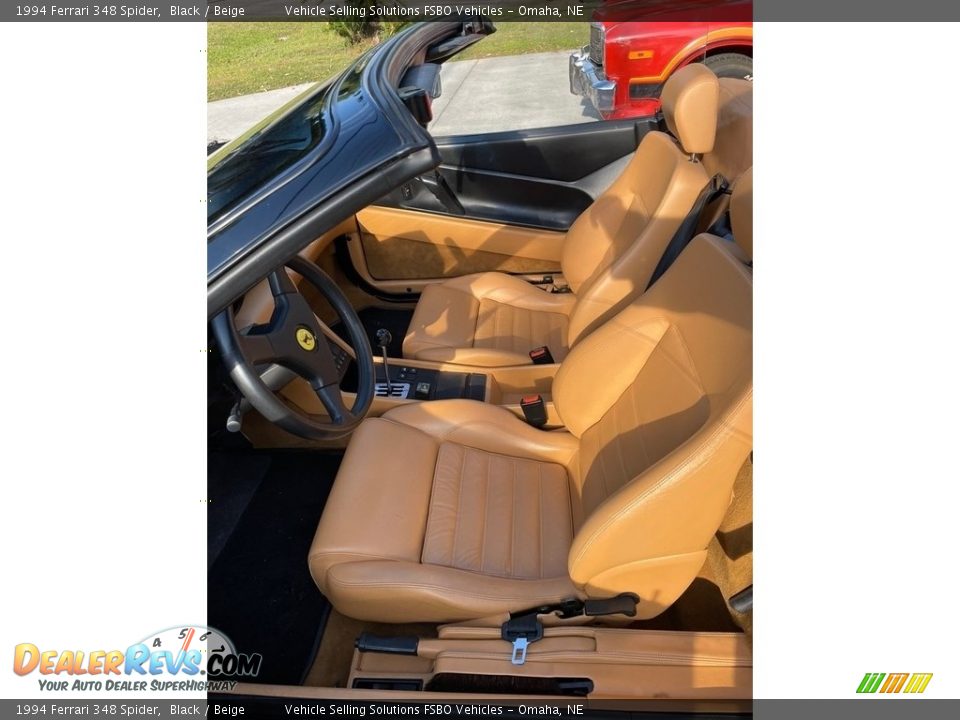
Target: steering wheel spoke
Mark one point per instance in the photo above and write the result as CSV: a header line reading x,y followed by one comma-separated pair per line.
x,y
281,284
257,347
332,399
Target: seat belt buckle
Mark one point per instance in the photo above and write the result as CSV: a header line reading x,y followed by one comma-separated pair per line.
x,y
534,410
520,632
541,356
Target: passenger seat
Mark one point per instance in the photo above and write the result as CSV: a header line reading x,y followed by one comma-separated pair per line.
x,y
608,257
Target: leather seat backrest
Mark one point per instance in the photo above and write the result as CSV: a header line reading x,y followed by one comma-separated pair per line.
x,y
660,399
732,151
741,213
612,249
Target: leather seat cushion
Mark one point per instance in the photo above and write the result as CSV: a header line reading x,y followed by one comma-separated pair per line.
x,y
487,319
517,523
468,522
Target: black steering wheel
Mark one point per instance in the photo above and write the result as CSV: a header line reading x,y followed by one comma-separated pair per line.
x,y
292,340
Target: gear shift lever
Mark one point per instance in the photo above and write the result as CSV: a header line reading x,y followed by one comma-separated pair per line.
x,y
384,338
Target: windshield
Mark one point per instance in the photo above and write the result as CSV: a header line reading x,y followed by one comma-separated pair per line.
x,y
266,154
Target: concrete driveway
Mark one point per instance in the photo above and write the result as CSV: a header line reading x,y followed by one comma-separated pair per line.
x,y
507,93
479,96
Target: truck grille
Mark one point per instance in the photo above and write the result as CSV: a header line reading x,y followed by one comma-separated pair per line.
x,y
596,43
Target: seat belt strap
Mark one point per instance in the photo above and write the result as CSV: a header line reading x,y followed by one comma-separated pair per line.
x,y
681,238
721,227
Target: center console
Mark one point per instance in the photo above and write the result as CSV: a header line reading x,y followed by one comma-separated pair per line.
x,y
417,383
398,380
414,381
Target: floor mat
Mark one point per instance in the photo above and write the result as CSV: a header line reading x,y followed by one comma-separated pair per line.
x,y
230,486
259,590
396,320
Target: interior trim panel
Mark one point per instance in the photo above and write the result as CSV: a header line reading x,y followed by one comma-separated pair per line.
x,y
404,244
534,178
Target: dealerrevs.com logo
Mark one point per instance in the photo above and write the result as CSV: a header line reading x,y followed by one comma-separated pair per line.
x,y
182,659
909,683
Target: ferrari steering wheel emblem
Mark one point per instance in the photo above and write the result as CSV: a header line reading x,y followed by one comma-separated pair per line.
x,y
306,339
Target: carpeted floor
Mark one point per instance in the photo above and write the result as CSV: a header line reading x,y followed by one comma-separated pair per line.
x,y
730,553
259,590
700,608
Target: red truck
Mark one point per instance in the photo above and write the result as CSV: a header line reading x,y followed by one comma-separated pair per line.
x,y
623,69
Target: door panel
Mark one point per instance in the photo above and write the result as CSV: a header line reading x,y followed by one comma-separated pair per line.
x,y
407,245
538,178
520,190
564,154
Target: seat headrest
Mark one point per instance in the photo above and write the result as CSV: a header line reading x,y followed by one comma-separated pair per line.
x,y
741,212
690,99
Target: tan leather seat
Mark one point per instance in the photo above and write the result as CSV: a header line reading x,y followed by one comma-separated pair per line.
x,y
609,253
455,510
732,152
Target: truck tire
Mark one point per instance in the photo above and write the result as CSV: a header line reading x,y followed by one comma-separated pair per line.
x,y
731,65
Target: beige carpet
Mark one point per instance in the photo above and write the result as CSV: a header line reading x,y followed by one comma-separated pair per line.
x,y
730,554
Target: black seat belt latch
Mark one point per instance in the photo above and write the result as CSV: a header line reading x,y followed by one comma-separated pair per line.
x,y
541,356
622,604
520,631
534,410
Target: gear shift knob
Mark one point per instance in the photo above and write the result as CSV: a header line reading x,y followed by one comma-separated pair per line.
x,y
384,337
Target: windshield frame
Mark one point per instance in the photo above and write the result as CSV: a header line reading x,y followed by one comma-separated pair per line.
x,y
259,172
283,216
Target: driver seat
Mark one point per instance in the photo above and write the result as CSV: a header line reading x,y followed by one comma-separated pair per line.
x,y
457,510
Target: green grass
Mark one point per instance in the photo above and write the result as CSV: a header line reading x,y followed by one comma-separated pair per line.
x,y
515,38
247,57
